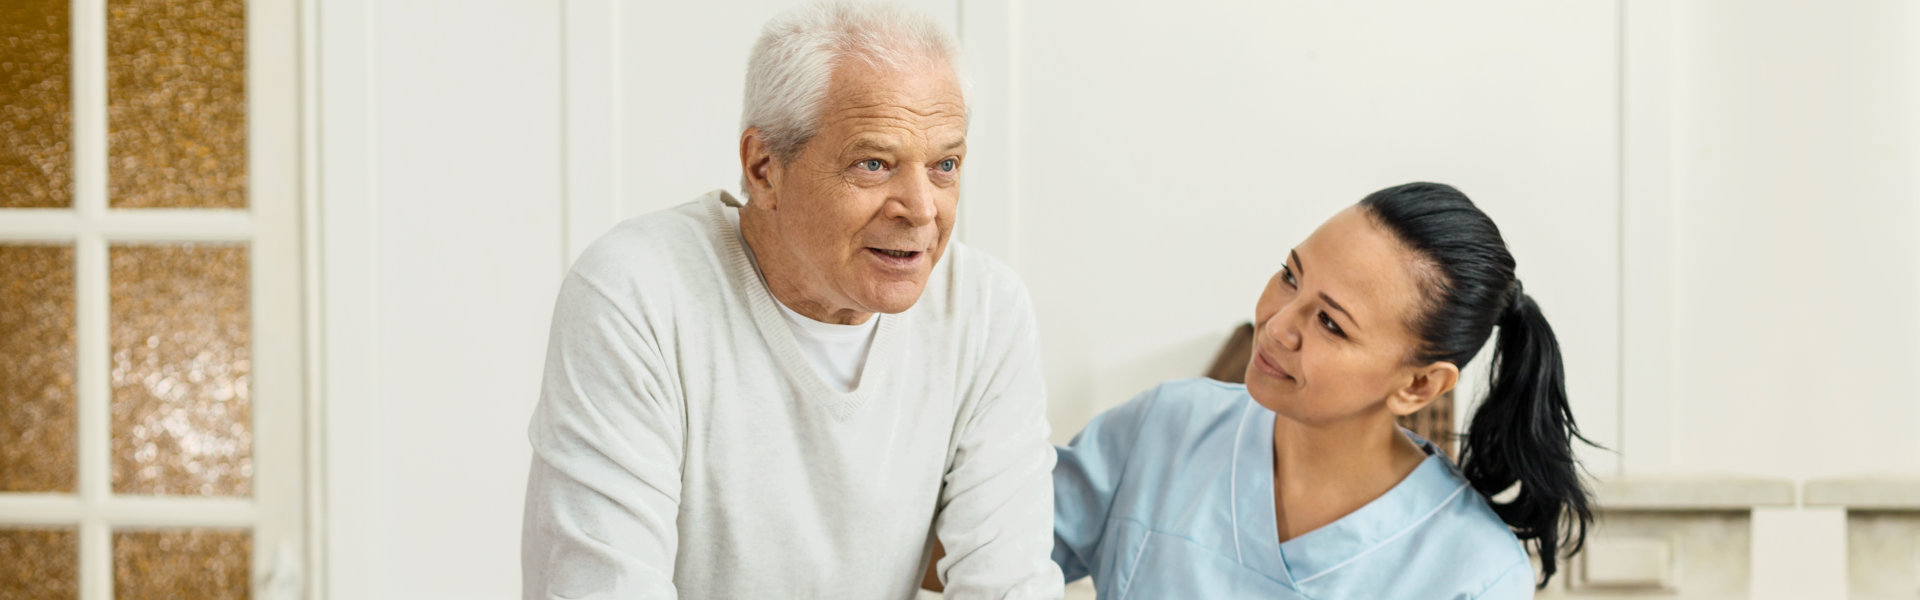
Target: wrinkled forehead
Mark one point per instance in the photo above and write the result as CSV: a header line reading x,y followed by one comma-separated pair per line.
x,y
1365,268
920,90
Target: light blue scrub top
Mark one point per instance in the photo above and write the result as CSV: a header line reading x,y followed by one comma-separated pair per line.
x,y
1171,496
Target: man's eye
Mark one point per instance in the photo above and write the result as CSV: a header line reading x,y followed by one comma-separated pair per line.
x,y
949,165
871,165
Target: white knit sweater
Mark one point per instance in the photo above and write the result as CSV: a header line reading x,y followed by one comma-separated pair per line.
x,y
684,447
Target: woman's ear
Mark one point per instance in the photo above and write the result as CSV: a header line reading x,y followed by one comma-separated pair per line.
x,y
1428,382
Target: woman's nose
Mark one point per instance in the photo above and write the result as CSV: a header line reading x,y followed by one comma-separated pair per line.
x,y
1284,327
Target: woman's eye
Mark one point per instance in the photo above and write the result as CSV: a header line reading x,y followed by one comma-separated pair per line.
x,y
949,165
872,165
1286,276
1327,322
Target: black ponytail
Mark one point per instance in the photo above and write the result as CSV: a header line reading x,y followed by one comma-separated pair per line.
x,y
1523,431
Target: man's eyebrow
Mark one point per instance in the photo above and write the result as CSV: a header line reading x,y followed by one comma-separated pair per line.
x,y
961,142
868,145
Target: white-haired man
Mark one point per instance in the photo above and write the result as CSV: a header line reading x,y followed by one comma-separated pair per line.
x,y
794,397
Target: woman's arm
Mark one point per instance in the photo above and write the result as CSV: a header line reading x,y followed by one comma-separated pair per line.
x,y
1087,477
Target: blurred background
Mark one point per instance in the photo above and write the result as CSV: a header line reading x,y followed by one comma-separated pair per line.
x,y
275,276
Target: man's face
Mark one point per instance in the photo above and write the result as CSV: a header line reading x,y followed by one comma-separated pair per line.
x,y
865,210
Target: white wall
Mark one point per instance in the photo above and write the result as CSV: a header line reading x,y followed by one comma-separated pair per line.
x,y
1285,114
1145,167
1795,142
441,245
1797,194
1170,156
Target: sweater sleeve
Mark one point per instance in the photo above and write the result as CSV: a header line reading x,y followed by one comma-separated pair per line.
x,y
996,504
604,490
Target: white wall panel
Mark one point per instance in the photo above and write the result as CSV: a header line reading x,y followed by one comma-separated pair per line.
x,y
1170,156
442,242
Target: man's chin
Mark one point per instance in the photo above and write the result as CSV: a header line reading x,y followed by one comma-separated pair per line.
x,y
894,298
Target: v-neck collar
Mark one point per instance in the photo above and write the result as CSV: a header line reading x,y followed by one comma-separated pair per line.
x,y
1410,503
745,272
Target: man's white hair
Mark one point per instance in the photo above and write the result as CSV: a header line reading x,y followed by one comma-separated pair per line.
x,y
792,64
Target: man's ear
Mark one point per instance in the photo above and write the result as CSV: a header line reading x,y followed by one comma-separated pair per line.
x,y
757,168
1427,383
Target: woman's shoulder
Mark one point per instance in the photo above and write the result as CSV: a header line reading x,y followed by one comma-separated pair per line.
x,y
1182,408
1476,535
1178,413
1473,517
1200,397
1456,549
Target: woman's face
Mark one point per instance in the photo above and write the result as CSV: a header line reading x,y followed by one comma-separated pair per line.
x,y
1333,339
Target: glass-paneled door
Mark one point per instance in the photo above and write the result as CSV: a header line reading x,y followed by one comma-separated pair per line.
x,y
151,390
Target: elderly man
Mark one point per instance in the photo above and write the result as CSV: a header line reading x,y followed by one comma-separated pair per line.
x,y
791,398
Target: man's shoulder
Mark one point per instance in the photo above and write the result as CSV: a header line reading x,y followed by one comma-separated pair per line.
x,y
656,248
969,279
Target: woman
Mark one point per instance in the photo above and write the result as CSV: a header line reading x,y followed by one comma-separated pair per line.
x,y
1299,484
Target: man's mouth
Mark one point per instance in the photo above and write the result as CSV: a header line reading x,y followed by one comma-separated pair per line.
x,y
900,254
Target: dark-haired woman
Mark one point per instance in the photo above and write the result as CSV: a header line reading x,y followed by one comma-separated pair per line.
x,y
1299,484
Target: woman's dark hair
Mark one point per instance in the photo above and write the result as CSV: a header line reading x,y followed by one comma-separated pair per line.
x,y
1523,431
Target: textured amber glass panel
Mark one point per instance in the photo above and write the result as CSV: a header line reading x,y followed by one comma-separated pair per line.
x,y
36,108
177,103
36,368
39,564
202,564
181,415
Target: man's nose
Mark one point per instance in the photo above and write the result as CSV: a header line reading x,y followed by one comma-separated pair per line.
x,y
912,199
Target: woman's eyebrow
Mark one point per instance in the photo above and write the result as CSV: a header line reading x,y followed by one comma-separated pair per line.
x,y
1323,295
1342,309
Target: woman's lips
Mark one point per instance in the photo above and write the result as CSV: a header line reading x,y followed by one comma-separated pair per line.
x,y
1271,368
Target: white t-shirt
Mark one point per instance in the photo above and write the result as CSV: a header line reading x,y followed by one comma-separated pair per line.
x,y
837,352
